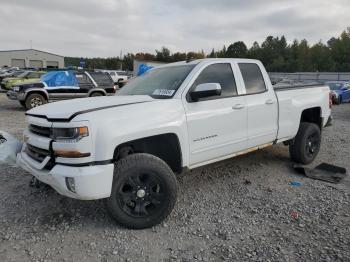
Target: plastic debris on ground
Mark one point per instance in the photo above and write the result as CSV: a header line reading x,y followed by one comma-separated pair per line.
x,y
9,147
325,172
295,215
295,183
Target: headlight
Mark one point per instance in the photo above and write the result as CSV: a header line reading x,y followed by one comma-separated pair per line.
x,y
16,89
69,134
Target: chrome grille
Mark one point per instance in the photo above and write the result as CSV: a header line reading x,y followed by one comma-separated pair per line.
x,y
36,153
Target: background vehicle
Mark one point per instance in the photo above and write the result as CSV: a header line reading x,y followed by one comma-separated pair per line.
x,y
22,78
11,72
126,148
119,77
340,91
86,84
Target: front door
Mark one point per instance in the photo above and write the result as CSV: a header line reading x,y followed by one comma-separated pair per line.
x,y
85,85
217,126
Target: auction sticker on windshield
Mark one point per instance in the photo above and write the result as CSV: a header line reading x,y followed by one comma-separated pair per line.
x,y
163,92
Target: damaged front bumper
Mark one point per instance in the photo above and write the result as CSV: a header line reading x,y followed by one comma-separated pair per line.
x,y
90,182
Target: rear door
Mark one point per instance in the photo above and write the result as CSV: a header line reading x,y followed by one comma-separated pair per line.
x,y
103,81
261,104
217,126
85,84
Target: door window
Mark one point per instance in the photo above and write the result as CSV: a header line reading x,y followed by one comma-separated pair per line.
x,y
83,79
218,73
253,79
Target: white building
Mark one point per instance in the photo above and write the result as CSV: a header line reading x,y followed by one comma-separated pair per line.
x,y
30,58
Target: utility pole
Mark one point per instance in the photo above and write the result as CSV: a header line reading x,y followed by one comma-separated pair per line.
x,y
121,59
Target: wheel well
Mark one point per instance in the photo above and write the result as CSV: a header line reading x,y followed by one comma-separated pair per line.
x,y
312,115
165,146
36,92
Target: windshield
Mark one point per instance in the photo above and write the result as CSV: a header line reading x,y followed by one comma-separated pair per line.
x,y
158,82
121,73
335,86
23,74
17,73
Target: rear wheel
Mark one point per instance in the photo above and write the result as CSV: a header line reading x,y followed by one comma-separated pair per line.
x,y
34,100
143,193
338,100
96,94
306,144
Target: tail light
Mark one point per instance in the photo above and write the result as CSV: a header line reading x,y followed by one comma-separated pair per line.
x,y
330,100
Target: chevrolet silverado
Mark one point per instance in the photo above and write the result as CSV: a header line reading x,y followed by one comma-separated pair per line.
x,y
127,148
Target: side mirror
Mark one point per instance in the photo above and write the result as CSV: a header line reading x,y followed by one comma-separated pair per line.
x,y
205,90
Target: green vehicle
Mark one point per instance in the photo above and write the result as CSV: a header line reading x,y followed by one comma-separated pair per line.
x,y
25,77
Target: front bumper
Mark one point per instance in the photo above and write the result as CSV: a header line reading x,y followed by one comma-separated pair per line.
x,y
91,182
15,95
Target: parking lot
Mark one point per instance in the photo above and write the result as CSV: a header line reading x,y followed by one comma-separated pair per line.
x,y
239,209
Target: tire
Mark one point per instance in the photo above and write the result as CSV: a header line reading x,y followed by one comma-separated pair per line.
x,y
34,100
143,193
338,101
93,94
22,103
306,144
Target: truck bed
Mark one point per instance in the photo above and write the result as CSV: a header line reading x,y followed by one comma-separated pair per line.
x,y
298,86
293,100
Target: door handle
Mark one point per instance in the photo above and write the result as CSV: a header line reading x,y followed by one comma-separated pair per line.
x,y
238,106
269,102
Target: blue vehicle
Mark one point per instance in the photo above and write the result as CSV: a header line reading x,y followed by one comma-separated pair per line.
x,y
340,91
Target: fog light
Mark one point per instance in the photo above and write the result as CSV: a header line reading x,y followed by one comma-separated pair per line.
x,y
70,183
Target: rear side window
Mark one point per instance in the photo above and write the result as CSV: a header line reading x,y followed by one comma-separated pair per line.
x,y
253,79
102,79
218,73
83,79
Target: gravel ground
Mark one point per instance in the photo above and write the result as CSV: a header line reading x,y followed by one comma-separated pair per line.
x,y
236,210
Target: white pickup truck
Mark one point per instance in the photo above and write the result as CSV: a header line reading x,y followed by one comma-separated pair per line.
x,y
126,148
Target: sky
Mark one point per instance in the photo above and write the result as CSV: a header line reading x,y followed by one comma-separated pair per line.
x,y
105,28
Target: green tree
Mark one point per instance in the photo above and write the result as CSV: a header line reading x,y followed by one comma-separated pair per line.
x,y
212,54
321,58
237,49
163,55
340,52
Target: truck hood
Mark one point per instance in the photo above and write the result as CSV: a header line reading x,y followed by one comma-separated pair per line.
x,y
65,111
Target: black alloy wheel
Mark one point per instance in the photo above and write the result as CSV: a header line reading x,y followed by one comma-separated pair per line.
x,y
144,191
140,195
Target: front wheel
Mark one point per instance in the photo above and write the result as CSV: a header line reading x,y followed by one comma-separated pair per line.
x,y
143,193
34,100
306,144
22,103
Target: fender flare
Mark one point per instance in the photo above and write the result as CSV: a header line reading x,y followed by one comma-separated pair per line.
x,y
97,90
36,90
